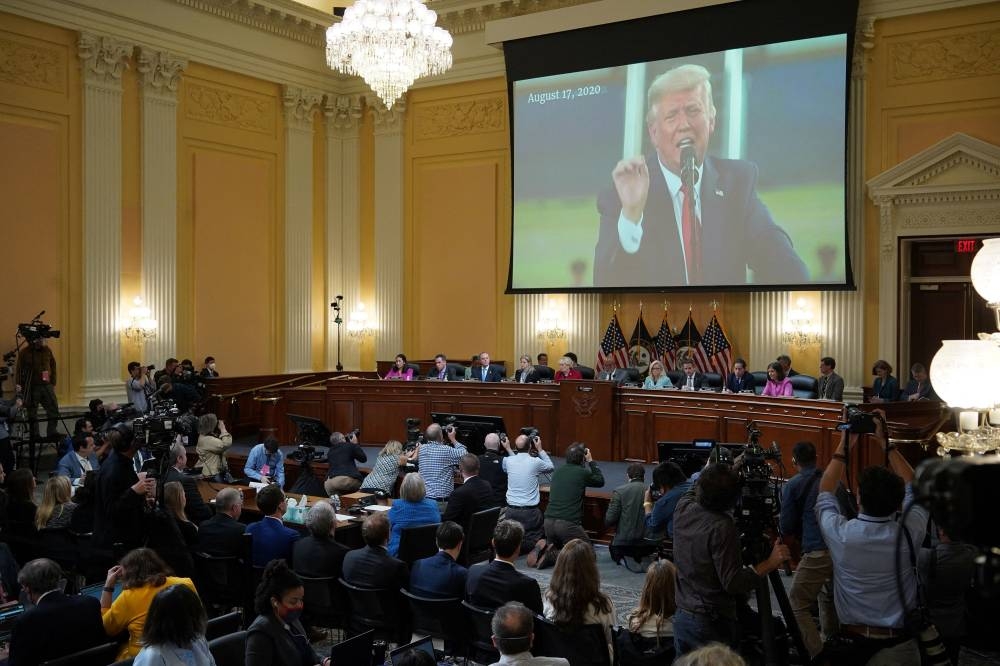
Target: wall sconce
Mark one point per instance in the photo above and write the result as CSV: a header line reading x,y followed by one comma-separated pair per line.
x,y
139,327
358,325
800,329
549,324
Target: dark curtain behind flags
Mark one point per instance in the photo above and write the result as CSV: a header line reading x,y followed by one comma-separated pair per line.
x,y
613,352
689,345
642,347
666,345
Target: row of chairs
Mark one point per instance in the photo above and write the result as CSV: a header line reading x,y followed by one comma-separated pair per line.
x,y
221,633
419,542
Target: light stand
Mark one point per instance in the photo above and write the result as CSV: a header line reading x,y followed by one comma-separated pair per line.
x,y
338,320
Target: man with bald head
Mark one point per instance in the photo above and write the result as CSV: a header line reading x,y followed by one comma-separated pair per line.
x,y
680,217
491,468
439,461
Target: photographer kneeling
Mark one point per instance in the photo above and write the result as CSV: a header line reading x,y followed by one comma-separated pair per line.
x,y
711,581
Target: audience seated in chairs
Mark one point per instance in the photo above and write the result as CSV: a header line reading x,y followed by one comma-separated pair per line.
x,y
713,654
142,574
174,536
271,539
82,520
372,567
513,635
412,509
82,458
75,620
319,555
440,576
276,637
474,494
574,596
648,637
174,633
57,508
194,506
222,534
492,584
21,506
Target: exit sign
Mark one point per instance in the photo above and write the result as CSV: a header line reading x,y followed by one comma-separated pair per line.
x,y
965,245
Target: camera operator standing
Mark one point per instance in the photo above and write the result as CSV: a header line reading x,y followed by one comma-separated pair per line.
x,y
36,378
711,581
139,386
863,551
814,575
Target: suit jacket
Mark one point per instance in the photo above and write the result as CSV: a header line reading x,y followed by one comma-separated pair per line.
x,y
474,495
373,567
221,535
195,507
491,470
69,465
271,540
832,387
450,373
438,577
737,384
269,643
75,621
699,381
120,513
737,231
626,511
492,584
319,558
494,373
341,460
531,378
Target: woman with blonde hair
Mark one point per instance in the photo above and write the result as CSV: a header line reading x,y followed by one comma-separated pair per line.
x,y
657,378
653,617
386,469
57,507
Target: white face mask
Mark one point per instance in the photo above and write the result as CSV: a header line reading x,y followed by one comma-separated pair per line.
x,y
211,366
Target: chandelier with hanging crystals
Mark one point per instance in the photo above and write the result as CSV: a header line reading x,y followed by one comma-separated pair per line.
x,y
389,44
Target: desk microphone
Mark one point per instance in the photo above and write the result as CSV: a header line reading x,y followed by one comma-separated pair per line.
x,y
689,175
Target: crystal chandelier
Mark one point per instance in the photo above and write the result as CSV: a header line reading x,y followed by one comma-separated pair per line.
x,y
389,44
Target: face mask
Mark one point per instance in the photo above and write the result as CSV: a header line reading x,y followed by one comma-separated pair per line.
x,y
211,366
291,616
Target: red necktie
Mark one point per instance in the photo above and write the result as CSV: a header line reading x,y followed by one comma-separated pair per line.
x,y
692,237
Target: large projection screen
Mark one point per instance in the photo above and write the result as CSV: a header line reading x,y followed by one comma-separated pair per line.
x,y
598,167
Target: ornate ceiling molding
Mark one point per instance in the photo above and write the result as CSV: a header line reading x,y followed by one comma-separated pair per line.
x,y
284,18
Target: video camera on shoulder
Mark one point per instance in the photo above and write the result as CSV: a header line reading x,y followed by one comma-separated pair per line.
x,y
858,421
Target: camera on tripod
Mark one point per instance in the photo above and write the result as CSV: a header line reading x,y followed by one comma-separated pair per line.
x,y
37,330
858,421
305,453
414,436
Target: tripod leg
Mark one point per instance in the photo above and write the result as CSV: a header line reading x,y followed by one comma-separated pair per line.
x,y
786,612
766,622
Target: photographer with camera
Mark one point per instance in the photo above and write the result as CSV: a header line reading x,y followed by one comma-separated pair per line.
x,y
213,442
35,375
491,467
122,495
670,484
523,465
863,550
711,580
564,513
139,386
265,463
814,576
344,477
439,461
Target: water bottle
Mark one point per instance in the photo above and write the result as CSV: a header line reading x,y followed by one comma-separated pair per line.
x,y
335,502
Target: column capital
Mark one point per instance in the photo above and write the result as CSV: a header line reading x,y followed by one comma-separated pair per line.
x,y
387,121
103,58
343,113
864,42
299,106
160,71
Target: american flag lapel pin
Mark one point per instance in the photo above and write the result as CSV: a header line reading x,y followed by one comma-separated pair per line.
x,y
719,193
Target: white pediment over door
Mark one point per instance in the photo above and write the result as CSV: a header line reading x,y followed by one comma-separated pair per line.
x,y
950,188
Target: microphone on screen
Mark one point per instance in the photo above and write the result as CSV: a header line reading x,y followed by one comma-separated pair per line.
x,y
689,175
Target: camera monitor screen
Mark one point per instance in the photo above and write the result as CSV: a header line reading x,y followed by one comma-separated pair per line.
x,y
693,150
310,430
472,428
698,448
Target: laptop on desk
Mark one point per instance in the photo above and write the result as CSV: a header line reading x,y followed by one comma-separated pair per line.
x,y
355,650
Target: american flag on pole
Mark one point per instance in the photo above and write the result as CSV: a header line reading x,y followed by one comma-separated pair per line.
x,y
715,345
614,348
666,346
689,345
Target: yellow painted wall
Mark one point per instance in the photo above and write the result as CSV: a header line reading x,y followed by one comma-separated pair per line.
x,y
930,75
40,187
457,221
230,220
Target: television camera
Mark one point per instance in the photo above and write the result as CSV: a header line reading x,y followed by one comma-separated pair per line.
x,y
858,421
414,435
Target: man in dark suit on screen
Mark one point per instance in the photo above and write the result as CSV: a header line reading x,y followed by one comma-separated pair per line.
x,y
475,493
492,584
653,232
372,566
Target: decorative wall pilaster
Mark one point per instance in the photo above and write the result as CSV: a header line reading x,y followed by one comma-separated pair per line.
x,y
343,220
102,59
582,323
160,74
299,106
388,197
587,323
